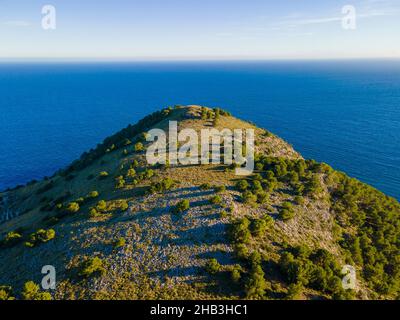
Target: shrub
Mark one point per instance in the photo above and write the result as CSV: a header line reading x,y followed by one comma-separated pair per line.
x,y
124,205
92,267
287,211
6,293
80,200
299,200
219,189
120,182
131,173
73,207
262,197
215,200
292,177
313,186
40,236
148,173
242,185
103,174
93,194
212,266
241,251
249,198
182,206
203,113
240,231
11,239
259,227
31,291
139,147
270,184
255,258
119,243
236,273
257,186
101,205
93,213
163,185
256,285
134,164
205,186
294,291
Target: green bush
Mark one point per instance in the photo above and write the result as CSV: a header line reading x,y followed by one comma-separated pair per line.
x,y
241,250
212,266
124,205
220,189
249,198
257,186
135,164
242,185
93,213
92,267
259,227
31,291
205,186
299,200
93,194
215,200
240,232
181,206
262,197
316,269
103,174
139,147
148,173
313,186
162,186
131,173
294,291
40,236
120,243
101,205
73,207
80,200
119,182
236,273
287,211
6,293
11,239
256,284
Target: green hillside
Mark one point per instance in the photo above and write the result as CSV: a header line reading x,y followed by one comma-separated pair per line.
x,y
116,228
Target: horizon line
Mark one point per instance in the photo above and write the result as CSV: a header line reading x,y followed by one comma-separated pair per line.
x,y
160,59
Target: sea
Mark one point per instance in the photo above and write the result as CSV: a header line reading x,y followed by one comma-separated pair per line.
x,y
345,113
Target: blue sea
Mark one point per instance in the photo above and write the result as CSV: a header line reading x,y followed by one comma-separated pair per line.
x,y
345,113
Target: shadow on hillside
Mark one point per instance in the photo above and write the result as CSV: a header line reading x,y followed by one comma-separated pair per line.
x,y
219,283
209,235
194,192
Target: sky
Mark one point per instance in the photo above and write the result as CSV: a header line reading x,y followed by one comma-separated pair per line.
x,y
199,29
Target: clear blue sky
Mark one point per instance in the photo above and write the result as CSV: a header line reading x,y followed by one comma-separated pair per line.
x,y
200,29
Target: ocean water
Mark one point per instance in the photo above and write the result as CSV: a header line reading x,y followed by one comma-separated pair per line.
x,y
345,113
